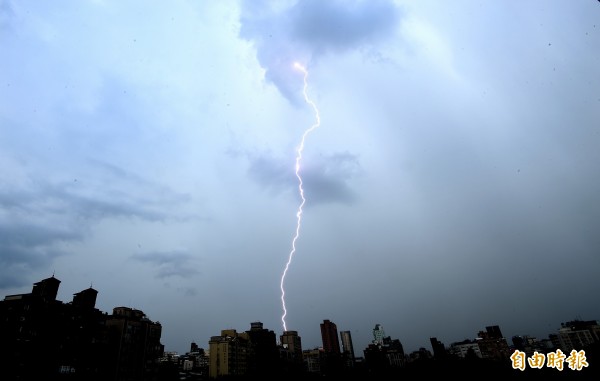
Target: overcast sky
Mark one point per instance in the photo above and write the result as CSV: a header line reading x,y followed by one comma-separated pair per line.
x,y
148,148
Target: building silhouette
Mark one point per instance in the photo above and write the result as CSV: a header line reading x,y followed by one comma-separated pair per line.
x,y
264,354
329,335
529,344
135,344
331,362
229,354
384,355
312,360
291,352
492,344
347,349
43,338
439,349
378,334
255,353
46,290
576,334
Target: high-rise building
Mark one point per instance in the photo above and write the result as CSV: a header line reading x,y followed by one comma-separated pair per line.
x,y
578,334
228,354
44,338
46,289
347,347
291,351
85,299
385,353
439,349
378,334
135,343
36,323
332,362
493,332
329,335
312,360
492,344
293,343
264,356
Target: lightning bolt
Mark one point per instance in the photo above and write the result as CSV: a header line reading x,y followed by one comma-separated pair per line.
x,y
299,151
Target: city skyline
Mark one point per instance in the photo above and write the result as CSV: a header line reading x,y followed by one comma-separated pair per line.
x,y
126,344
328,343
148,149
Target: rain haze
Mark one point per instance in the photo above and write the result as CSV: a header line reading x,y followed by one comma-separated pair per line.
x,y
147,149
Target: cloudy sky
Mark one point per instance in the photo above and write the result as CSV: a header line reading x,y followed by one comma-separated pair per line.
x,y
148,149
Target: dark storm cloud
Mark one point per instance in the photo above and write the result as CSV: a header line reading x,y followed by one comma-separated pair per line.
x,y
28,246
169,264
91,201
332,26
151,201
311,28
34,221
325,179
14,236
272,174
30,229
